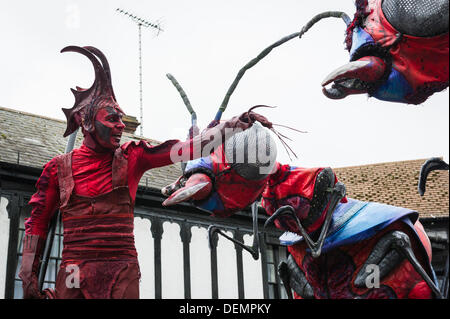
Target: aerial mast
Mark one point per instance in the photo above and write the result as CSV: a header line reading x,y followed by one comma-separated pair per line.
x,y
140,23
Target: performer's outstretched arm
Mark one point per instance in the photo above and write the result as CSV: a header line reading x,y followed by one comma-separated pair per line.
x,y
142,156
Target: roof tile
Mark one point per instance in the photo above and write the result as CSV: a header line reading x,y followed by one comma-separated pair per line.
x,y
33,140
395,183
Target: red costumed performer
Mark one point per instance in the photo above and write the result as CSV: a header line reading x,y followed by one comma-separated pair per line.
x,y
94,187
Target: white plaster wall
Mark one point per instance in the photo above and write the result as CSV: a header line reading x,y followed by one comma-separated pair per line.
x,y
145,249
253,284
227,268
4,236
172,262
200,264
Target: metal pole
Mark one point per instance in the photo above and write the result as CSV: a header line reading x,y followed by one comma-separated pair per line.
x,y
140,80
140,22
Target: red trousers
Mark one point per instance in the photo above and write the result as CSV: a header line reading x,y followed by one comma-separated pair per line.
x,y
124,285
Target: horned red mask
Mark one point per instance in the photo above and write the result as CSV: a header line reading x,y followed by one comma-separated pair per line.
x,y
96,109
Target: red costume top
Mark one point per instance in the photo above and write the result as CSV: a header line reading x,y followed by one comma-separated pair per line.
x,y
92,173
95,193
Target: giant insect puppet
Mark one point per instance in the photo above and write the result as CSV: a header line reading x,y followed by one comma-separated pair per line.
x,y
356,240
336,244
221,184
399,51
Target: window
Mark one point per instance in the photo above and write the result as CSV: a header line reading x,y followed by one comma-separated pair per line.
x,y
53,263
275,255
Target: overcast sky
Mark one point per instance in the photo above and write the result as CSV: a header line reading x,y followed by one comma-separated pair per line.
x,y
204,44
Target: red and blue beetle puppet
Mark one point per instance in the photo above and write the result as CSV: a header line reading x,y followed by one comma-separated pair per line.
x,y
354,249
336,244
399,51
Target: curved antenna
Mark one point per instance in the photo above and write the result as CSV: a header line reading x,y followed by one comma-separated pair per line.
x,y
434,163
266,51
186,102
327,14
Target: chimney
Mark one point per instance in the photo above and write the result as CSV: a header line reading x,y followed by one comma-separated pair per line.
x,y
131,123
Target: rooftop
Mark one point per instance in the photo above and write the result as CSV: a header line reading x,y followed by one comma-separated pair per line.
x,y
395,183
33,140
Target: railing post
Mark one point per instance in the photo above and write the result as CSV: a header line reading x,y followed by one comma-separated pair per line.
x,y
157,231
186,235
214,278
13,208
239,264
263,247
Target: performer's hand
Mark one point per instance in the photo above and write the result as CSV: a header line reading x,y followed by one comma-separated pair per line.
x,y
193,131
251,117
49,293
33,246
246,120
31,289
239,122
